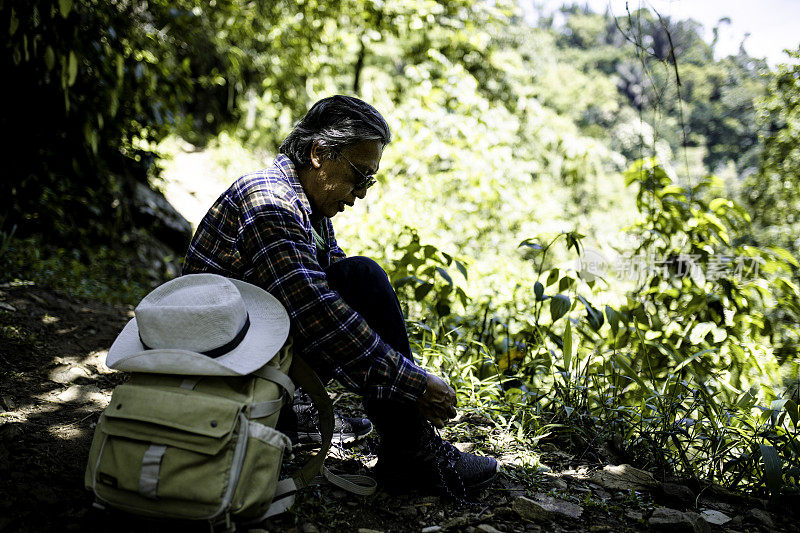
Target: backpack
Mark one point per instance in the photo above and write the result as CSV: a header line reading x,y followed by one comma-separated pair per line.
x,y
206,447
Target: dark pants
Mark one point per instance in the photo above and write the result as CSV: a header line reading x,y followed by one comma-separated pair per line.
x,y
365,287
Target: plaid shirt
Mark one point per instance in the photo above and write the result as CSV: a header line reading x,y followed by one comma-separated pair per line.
x,y
259,231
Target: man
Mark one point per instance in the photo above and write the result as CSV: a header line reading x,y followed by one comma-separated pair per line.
x,y
272,228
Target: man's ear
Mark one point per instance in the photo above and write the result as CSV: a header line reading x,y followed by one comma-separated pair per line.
x,y
317,154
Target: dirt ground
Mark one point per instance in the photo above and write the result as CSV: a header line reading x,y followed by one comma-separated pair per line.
x,y
54,385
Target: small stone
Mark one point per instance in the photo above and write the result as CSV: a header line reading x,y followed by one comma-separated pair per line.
x,y
544,508
68,374
762,517
465,447
559,507
624,477
531,510
431,529
7,307
367,530
486,528
634,515
308,527
665,518
715,517
8,403
672,520
560,484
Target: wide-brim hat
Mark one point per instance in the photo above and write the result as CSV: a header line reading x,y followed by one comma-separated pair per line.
x,y
202,324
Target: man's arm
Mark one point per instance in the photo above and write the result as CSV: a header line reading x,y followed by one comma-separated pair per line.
x,y
325,328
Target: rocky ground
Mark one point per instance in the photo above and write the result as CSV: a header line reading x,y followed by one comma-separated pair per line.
x,y
53,386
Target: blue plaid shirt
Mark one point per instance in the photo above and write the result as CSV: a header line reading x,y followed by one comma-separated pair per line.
x,y
259,231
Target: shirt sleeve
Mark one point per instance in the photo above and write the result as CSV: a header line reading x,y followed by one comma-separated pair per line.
x,y
324,328
336,253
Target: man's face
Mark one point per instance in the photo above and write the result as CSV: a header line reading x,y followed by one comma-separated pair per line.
x,y
332,182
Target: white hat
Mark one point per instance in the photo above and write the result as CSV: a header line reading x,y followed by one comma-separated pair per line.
x,y
202,324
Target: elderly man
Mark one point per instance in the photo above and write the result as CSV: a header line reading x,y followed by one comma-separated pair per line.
x,y
272,228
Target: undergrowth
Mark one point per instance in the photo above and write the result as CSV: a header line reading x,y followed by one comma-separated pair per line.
x,y
120,274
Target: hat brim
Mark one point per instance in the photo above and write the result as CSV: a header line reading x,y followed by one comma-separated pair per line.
x,y
269,329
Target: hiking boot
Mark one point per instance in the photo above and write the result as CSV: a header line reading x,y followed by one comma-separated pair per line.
x,y
435,464
300,422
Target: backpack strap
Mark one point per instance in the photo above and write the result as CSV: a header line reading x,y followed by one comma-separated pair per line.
x,y
305,376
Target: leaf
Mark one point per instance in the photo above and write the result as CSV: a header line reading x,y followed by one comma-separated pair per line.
x,y
565,283
538,290
65,6
461,268
567,347
14,24
49,58
772,469
593,316
694,357
442,272
422,291
614,319
559,305
530,243
552,277
73,68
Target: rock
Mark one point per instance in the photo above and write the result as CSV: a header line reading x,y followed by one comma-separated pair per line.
x,y
664,518
164,222
367,530
560,484
761,517
634,515
81,393
624,477
308,527
545,508
715,517
465,447
698,522
678,493
8,403
431,529
672,520
531,510
68,374
7,307
486,528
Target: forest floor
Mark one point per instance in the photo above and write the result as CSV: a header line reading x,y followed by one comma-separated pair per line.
x,y
54,385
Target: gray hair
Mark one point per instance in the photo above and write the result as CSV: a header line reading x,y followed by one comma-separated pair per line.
x,y
335,123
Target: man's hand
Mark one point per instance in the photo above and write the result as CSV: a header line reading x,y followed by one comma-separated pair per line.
x,y
438,404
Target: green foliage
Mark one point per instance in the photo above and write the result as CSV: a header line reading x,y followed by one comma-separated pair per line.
x,y
771,193
682,375
106,274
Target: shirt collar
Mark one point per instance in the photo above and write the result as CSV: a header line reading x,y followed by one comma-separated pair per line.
x,y
287,168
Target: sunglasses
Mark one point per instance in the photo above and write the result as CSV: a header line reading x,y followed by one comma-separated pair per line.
x,y
364,181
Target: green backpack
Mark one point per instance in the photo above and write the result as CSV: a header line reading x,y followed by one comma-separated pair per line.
x,y
205,447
